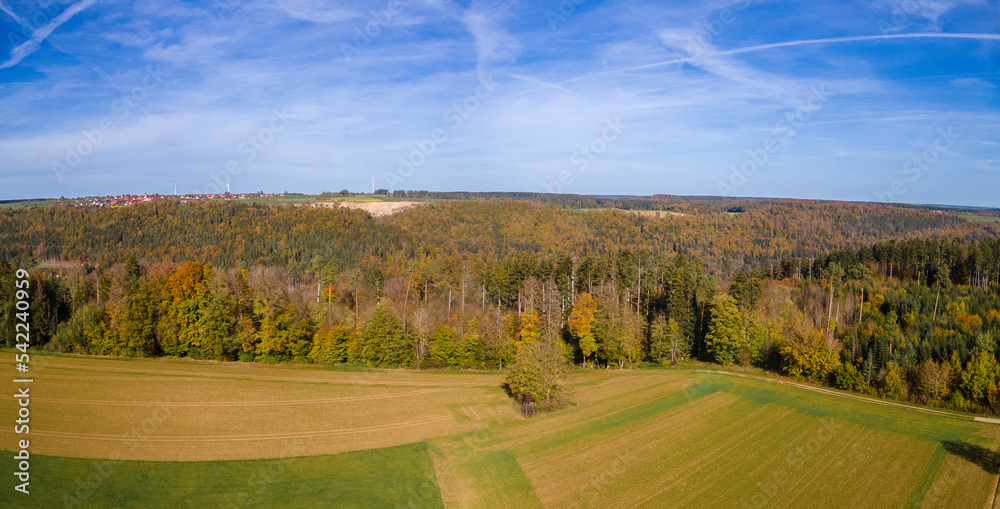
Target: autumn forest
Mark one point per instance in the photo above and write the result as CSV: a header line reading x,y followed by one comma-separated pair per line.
x,y
898,302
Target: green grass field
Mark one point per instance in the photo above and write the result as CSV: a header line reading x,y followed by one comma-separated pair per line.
x,y
28,204
980,218
373,478
159,433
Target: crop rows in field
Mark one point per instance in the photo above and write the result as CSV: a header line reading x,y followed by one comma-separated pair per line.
x,y
729,441
658,438
184,411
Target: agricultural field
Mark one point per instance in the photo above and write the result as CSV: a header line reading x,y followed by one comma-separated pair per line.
x,y
981,217
168,433
27,204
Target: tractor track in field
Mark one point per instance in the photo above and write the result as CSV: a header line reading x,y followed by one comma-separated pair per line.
x,y
242,438
223,376
716,454
240,403
606,382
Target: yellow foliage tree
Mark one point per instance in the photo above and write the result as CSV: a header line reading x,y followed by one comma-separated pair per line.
x,y
807,353
580,323
529,330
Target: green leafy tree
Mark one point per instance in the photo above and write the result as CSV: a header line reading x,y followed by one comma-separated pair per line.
x,y
807,353
732,337
894,383
7,302
848,377
442,350
539,369
132,317
329,345
217,322
382,339
981,375
667,343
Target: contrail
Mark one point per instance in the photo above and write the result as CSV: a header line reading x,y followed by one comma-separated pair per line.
x,y
32,45
804,42
5,8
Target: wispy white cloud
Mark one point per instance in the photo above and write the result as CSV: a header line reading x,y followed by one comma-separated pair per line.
x,y
309,11
925,14
194,48
973,83
687,117
494,43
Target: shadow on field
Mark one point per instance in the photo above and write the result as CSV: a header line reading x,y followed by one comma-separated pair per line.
x,y
988,460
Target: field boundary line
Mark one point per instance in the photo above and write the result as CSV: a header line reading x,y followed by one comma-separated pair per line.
x,y
250,376
993,495
241,403
556,430
242,438
832,392
666,416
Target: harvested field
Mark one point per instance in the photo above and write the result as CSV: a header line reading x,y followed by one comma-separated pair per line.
x,y
631,438
167,410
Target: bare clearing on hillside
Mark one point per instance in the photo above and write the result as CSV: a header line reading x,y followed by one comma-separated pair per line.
x,y
375,208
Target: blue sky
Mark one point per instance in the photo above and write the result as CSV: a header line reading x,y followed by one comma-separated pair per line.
x,y
874,100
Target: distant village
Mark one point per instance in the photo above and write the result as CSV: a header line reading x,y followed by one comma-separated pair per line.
x,y
131,199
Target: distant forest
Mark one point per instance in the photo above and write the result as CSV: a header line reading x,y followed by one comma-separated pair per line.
x,y
899,302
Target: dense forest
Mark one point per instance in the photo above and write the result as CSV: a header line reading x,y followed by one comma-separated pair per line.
x,y
900,302
726,235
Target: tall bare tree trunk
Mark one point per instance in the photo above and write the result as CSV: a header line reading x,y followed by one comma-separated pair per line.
x,y
638,291
861,306
938,296
829,313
